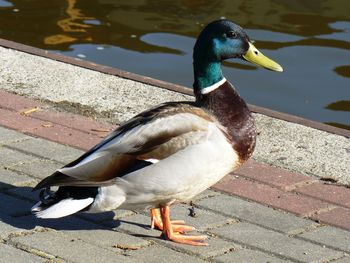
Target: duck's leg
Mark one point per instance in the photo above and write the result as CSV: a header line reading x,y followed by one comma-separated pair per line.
x,y
172,235
178,225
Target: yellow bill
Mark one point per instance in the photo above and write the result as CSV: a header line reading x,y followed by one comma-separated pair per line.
x,y
253,55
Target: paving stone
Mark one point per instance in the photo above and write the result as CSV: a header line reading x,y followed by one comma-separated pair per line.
x,y
337,217
7,226
216,247
10,136
203,220
11,157
256,213
158,254
67,223
330,236
18,122
261,172
11,254
16,102
107,216
24,192
108,238
78,122
138,225
345,259
277,243
331,193
67,135
14,206
68,248
9,179
205,194
246,255
265,194
47,149
39,168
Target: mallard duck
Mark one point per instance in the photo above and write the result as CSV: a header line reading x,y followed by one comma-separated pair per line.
x,y
170,153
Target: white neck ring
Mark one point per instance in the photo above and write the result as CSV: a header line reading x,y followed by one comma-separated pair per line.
x,y
216,85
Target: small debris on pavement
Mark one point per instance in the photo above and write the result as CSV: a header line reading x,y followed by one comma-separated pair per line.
x,y
27,112
126,247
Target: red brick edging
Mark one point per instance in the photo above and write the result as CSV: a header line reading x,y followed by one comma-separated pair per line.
x,y
262,183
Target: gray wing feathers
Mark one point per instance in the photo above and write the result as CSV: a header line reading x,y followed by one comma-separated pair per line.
x,y
155,139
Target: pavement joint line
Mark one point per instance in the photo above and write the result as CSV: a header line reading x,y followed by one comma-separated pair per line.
x,y
284,257
183,250
2,144
319,243
331,206
42,158
159,240
12,168
20,173
172,246
285,189
252,247
300,185
315,197
238,219
320,211
34,251
47,229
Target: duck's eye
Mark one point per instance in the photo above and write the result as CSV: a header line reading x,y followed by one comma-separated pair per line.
x,y
231,34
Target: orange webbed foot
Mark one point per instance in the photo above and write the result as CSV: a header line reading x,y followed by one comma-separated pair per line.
x,y
177,225
171,230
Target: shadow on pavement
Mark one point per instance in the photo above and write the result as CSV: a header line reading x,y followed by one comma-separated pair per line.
x,y
16,202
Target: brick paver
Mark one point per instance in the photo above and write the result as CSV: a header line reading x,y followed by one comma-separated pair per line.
x,y
11,254
281,245
256,214
247,255
55,244
338,216
329,236
263,193
263,173
327,192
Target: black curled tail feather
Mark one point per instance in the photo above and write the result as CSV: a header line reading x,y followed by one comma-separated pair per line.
x,y
49,198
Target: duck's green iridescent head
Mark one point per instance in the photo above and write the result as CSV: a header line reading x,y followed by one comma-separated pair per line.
x,y
222,40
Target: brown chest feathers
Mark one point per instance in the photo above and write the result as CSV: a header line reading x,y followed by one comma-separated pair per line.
x,y
232,112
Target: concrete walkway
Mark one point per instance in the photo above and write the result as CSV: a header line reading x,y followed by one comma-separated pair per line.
x,y
310,224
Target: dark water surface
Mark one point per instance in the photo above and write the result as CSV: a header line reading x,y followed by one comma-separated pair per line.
x,y
309,38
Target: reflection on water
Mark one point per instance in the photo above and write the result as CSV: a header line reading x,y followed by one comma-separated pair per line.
x,y
311,39
4,3
75,23
343,71
343,105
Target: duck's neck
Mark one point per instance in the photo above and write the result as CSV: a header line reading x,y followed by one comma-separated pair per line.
x,y
220,98
206,74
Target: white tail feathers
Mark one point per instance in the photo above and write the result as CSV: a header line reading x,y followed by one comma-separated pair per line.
x,y
63,208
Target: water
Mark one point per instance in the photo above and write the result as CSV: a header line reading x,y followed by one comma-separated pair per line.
x,y
310,39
